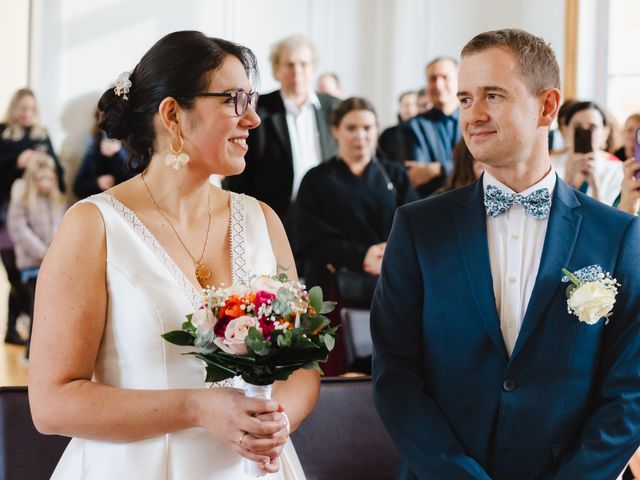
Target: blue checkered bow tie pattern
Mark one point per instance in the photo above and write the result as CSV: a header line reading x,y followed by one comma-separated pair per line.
x,y
537,203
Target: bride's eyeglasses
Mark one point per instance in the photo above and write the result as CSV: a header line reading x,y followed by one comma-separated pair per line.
x,y
241,99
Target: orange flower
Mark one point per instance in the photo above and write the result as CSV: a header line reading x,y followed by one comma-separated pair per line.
x,y
231,308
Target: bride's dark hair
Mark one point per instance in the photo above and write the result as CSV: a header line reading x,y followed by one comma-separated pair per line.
x,y
177,66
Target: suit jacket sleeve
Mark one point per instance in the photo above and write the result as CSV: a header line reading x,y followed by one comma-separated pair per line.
x,y
611,434
414,421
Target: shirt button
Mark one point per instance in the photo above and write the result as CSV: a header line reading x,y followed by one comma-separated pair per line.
x,y
512,280
515,236
510,325
509,384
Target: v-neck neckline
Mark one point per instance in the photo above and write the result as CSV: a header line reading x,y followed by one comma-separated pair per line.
x,y
151,242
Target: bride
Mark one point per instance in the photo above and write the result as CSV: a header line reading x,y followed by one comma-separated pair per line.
x,y
128,265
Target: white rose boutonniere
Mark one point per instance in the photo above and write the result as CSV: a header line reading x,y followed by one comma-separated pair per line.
x,y
591,293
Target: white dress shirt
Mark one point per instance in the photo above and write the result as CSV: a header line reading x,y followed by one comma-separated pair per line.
x,y
515,241
305,140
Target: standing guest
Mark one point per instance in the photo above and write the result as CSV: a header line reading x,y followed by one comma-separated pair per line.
x,y
21,135
35,211
128,264
480,371
631,124
597,173
558,138
343,213
389,141
424,102
629,198
103,165
329,83
428,139
294,135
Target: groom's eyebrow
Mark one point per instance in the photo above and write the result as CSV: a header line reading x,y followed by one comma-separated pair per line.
x,y
490,88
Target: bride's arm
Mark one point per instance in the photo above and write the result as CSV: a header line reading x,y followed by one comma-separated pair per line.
x,y
70,310
299,393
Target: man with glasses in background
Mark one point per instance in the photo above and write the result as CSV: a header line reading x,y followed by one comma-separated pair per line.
x,y
294,135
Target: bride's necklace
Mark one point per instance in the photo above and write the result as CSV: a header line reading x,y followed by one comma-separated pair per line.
x,y
203,271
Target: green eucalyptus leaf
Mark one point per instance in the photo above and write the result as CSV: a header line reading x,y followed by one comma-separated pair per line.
x,y
178,337
315,298
329,342
327,307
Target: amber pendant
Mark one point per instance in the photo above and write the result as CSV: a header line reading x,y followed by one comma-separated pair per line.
x,y
203,274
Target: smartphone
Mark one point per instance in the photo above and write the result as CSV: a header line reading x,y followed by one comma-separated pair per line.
x,y
582,140
637,149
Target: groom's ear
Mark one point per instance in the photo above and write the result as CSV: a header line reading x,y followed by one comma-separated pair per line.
x,y
550,102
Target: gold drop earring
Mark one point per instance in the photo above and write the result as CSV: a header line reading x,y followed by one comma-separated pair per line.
x,y
177,158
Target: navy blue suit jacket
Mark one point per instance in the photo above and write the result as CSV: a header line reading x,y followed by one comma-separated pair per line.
x,y
565,405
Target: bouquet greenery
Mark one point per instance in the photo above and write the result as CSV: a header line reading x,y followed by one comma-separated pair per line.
x,y
263,331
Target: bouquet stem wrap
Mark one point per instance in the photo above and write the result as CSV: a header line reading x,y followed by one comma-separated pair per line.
x,y
251,468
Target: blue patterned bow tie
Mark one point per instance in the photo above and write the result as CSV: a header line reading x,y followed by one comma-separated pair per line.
x,y
537,203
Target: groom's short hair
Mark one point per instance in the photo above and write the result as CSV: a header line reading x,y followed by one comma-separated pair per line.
x,y
538,64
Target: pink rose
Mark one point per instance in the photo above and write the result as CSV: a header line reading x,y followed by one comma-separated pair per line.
x,y
265,283
234,335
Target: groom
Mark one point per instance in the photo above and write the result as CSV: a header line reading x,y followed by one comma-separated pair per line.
x,y
480,372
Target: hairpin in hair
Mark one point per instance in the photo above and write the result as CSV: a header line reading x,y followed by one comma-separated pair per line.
x,y
122,85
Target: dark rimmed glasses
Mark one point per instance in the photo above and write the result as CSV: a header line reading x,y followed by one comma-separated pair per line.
x,y
241,99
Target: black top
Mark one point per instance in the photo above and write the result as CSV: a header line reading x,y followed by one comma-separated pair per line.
x,y
94,164
337,215
9,152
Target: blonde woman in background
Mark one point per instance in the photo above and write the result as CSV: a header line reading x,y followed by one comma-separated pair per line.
x,y
35,211
21,135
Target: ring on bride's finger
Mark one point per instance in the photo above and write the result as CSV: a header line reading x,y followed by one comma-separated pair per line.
x,y
241,438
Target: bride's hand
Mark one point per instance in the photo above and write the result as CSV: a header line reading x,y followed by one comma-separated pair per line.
x,y
232,417
270,445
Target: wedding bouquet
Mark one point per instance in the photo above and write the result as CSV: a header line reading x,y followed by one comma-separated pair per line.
x,y
263,332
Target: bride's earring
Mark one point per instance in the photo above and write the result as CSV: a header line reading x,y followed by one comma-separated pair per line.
x,y
177,158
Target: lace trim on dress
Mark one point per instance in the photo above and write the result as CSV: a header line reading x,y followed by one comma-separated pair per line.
x,y
237,232
152,243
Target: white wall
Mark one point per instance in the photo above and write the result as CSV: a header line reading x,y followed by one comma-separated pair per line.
x,y
378,47
14,49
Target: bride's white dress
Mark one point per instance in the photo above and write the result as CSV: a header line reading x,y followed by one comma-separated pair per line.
x,y
149,295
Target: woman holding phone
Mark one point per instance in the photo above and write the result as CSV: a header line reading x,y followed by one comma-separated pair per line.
x,y
586,165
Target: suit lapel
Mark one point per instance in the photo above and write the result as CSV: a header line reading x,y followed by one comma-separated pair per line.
x,y
559,242
472,238
326,145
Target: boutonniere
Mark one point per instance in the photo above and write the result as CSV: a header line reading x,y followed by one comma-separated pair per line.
x,y
591,293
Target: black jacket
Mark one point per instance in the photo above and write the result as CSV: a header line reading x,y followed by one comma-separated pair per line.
x,y
268,175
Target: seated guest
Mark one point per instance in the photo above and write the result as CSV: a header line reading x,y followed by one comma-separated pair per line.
x,y
597,172
104,164
428,139
345,206
628,137
388,143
